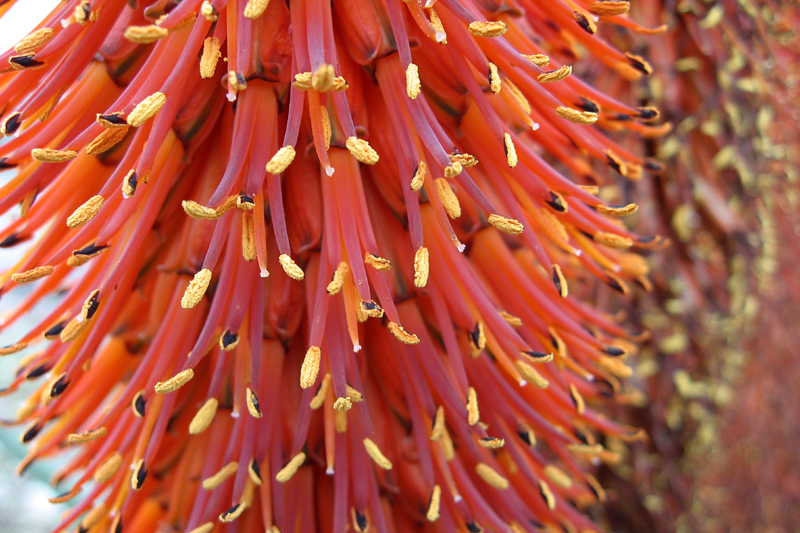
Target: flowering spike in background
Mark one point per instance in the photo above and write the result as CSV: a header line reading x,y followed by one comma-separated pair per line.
x,y
335,263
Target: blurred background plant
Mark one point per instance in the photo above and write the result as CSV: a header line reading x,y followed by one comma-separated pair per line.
x,y
715,380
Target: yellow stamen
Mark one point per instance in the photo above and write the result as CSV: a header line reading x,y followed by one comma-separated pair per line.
x,y
615,367
106,140
560,281
495,83
354,395
319,398
413,85
451,171
490,476
609,8
86,212
339,84
208,527
473,413
438,424
224,473
612,240
465,160
291,268
93,517
322,79
477,340
616,163
46,155
302,81
281,160
108,468
512,320
236,81
252,404
530,374
511,150
361,150
539,60
487,29
547,494
251,473
492,442
419,176
401,334
232,514
32,274
90,305
378,263
73,329
586,23
145,34
557,476
86,436
129,184
291,468
208,11
421,267
204,416
255,8
555,75
448,449
577,399
596,487
433,507
34,41
507,225
175,382
146,109
338,278
376,455
639,64
310,368
576,116
248,238
342,404
197,289
210,57
617,211
449,199
340,421
138,466
438,27
327,131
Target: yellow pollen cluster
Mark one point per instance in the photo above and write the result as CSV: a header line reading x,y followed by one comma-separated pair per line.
x,y
197,289
413,85
175,382
146,109
86,212
487,29
507,225
32,274
361,150
576,116
145,34
255,8
47,155
34,41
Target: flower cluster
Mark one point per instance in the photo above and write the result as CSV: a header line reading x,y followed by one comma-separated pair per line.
x,y
333,262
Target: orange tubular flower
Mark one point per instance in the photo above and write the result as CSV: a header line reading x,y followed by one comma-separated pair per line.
x,y
322,254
